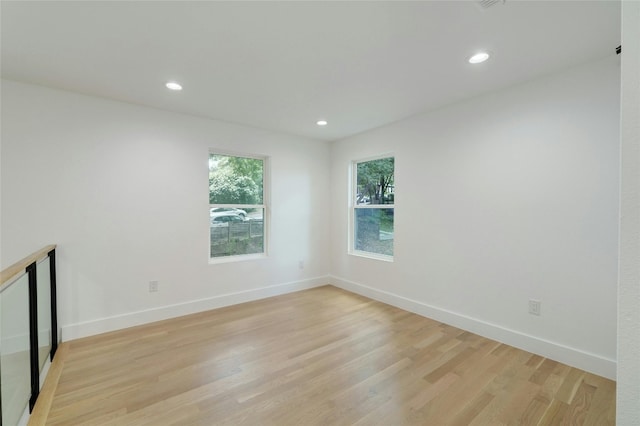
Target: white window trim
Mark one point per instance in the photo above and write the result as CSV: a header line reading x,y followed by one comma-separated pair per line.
x,y
266,207
353,189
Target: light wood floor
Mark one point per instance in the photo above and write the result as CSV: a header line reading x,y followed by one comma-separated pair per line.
x,y
317,357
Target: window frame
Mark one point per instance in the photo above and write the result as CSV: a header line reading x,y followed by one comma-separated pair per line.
x,y
353,206
265,206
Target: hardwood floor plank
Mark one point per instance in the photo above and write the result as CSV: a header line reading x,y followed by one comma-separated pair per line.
x,y
450,365
535,410
543,371
570,386
581,403
472,409
474,381
329,401
555,414
323,356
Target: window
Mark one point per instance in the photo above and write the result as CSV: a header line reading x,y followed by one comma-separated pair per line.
x,y
236,206
373,208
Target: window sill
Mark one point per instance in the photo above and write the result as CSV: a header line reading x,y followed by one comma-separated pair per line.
x,y
238,258
373,256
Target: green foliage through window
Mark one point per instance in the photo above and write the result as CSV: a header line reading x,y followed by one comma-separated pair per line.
x,y
375,181
235,180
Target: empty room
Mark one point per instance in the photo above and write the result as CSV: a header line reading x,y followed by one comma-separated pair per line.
x,y
199,227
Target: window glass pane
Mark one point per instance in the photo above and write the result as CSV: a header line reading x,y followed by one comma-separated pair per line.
x,y
15,364
235,180
374,230
375,183
233,234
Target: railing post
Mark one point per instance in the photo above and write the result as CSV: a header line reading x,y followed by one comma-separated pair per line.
x,y
54,303
33,333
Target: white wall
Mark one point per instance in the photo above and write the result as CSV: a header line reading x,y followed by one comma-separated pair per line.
x,y
628,379
123,190
500,199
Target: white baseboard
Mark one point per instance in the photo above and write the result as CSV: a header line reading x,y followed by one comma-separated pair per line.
x,y
567,355
118,322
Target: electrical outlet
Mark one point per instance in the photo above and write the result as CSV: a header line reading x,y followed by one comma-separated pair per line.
x,y
534,307
301,264
153,286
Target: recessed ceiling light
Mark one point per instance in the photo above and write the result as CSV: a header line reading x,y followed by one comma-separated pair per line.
x,y
478,58
172,85
321,122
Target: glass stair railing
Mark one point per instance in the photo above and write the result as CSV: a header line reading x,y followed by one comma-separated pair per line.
x,y
28,332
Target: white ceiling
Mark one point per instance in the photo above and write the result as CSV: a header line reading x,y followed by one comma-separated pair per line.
x,y
284,65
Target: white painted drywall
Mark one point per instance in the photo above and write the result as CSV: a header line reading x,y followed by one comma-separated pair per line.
x,y
628,379
123,190
500,199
